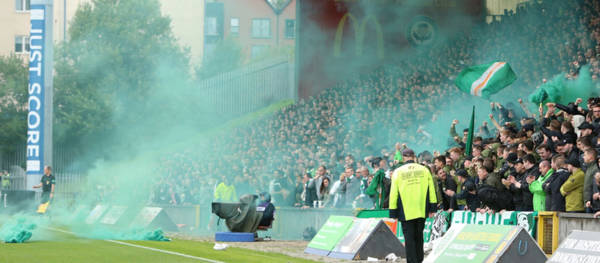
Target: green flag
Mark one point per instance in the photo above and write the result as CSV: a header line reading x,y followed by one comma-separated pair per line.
x,y
469,146
485,80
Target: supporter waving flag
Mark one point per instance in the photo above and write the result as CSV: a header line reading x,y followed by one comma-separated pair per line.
x,y
486,79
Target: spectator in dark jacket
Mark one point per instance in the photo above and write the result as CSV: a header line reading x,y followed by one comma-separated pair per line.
x,y
555,182
447,186
589,157
518,186
468,190
267,208
594,203
310,191
490,191
567,148
531,170
546,184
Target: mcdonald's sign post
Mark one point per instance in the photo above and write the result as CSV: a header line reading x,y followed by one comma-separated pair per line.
x,y
360,27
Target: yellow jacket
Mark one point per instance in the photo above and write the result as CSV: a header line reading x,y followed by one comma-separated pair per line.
x,y
225,193
412,187
572,190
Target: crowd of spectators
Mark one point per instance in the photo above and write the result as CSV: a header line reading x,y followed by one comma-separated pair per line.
x,y
326,150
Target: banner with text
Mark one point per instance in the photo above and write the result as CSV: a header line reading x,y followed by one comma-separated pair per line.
x,y
35,117
513,218
330,234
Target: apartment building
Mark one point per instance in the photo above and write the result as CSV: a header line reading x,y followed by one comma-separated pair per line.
x,y
186,22
257,25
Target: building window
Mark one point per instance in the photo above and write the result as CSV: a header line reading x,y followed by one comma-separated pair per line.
x,y
22,5
234,27
211,26
261,28
21,44
258,50
290,28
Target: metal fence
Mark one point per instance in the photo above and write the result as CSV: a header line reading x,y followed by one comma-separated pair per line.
x,y
68,180
250,88
228,95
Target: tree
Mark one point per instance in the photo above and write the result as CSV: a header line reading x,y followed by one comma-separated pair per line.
x,y
224,58
119,76
13,104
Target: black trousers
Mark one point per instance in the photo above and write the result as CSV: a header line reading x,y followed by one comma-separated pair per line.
x,y
413,239
45,197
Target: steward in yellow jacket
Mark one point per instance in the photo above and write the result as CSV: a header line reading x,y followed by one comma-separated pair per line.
x,y
225,192
411,194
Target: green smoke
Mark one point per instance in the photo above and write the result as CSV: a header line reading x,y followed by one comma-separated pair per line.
x,y
562,90
103,232
18,230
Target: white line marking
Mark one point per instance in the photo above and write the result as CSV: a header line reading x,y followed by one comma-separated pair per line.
x,y
144,247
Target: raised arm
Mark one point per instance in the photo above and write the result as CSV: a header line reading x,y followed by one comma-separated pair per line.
x,y
496,124
525,109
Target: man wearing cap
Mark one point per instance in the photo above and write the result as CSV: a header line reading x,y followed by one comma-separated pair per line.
x,y
586,129
509,166
468,191
517,184
567,148
411,195
572,189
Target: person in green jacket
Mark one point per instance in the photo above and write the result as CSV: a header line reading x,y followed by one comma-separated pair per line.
x,y
398,155
412,196
377,188
535,186
572,189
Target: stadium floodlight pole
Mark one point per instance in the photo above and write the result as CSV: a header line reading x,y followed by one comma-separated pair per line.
x,y
40,90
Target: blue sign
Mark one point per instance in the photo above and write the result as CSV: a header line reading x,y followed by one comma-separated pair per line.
x,y
35,118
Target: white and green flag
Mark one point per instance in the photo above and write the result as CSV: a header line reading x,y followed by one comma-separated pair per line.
x,y
485,80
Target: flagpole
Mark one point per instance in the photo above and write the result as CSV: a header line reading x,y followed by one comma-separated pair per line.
x,y
469,146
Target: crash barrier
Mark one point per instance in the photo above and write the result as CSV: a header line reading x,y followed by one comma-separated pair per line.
x,y
290,222
527,220
347,237
548,228
436,226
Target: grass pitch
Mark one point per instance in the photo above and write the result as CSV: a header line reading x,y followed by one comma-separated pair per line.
x,y
52,246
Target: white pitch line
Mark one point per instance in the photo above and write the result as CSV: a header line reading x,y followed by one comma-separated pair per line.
x,y
143,247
